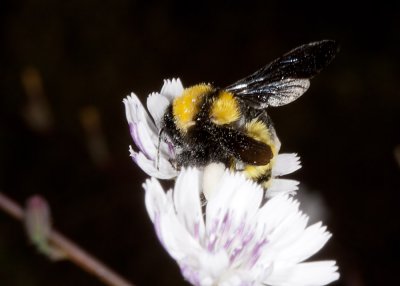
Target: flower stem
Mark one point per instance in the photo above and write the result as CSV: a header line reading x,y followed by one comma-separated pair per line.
x,y
72,251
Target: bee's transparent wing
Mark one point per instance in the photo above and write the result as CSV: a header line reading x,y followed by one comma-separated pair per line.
x,y
286,78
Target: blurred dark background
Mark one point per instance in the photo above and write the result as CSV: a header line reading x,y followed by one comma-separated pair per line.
x,y
65,67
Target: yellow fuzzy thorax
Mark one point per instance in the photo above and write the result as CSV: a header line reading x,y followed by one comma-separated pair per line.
x,y
258,130
186,106
224,109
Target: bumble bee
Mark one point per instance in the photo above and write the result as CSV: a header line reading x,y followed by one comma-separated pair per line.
x,y
230,125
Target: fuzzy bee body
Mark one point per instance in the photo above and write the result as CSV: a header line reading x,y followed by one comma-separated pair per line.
x,y
230,125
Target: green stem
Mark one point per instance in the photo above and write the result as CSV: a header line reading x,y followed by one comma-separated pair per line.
x,y
72,251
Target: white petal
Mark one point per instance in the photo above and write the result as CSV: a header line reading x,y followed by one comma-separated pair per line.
x,y
150,144
172,234
176,238
135,112
155,199
302,247
157,105
187,202
285,164
288,228
172,88
234,192
214,264
132,103
164,170
207,269
304,274
282,187
275,211
143,130
146,142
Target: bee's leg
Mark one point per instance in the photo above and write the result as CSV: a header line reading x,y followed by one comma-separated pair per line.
x,y
173,163
259,113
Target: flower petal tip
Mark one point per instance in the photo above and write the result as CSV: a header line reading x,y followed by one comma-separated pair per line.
x,y
172,88
286,163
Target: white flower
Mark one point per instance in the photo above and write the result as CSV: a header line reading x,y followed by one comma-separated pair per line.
x,y
157,163
145,130
235,239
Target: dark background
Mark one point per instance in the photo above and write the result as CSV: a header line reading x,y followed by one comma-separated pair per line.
x,y
77,60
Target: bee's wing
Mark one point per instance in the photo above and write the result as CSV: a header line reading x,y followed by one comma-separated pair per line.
x,y
243,147
286,78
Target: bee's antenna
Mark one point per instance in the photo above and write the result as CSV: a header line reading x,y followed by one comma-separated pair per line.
x,y
158,147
